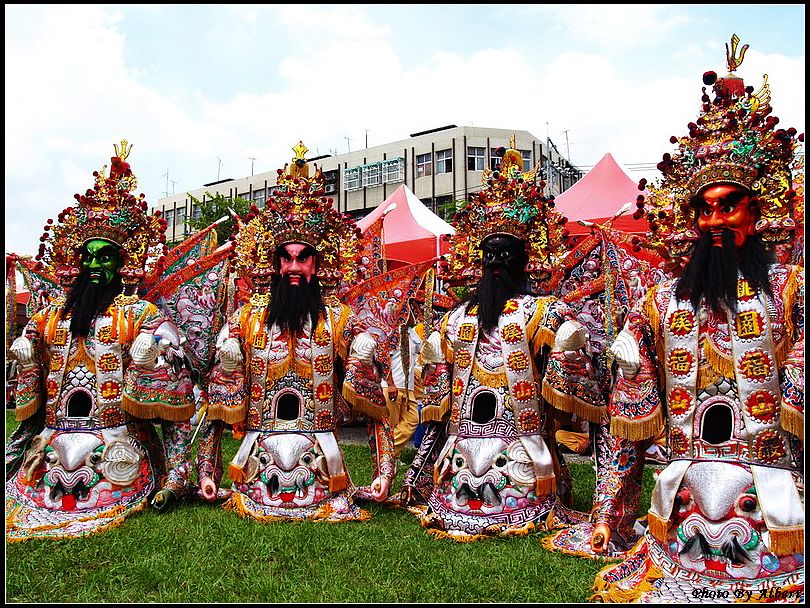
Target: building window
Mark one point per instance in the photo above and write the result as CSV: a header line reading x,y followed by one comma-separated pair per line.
x,y
372,175
424,164
476,158
181,215
169,215
351,178
527,159
259,198
330,181
393,170
444,161
196,211
494,159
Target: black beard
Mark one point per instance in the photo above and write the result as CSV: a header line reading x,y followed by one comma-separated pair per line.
x,y
491,295
86,301
711,272
290,305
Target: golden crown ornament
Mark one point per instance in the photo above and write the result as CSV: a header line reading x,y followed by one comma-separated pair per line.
x,y
511,203
107,211
733,141
297,212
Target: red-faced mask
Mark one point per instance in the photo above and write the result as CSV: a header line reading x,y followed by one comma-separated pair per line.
x,y
298,262
726,206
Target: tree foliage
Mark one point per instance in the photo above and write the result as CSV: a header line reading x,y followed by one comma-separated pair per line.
x,y
212,208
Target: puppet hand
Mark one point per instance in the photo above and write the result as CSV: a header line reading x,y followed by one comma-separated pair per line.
x,y
600,537
380,487
144,351
571,335
23,352
432,349
230,354
625,351
208,488
363,347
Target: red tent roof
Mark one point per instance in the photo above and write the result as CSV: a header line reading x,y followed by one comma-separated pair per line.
x,y
412,231
598,196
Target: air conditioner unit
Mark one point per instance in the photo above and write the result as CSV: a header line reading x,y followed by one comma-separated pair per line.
x,y
330,188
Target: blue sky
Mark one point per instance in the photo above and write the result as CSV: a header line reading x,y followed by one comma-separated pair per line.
x,y
199,89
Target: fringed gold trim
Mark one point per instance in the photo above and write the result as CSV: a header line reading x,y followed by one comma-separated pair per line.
x,y
274,372
459,538
657,526
573,405
789,300
236,473
787,540
782,351
226,414
508,531
636,430
544,486
236,503
26,411
612,592
338,482
492,379
435,413
157,410
718,361
363,404
548,544
706,376
792,421
121,512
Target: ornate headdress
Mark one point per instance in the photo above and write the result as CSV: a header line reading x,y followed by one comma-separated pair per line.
x,y
298,212
511,203
733,141
109,211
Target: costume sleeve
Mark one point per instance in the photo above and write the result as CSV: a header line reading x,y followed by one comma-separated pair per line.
x,y
432,380
361,386
792,377
569,382
381,442
20,440
176,439
619,471
209,451
635,407
160,392
29,396
227,393
419,476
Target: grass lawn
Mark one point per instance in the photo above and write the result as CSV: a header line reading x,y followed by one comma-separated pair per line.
x,y
199,553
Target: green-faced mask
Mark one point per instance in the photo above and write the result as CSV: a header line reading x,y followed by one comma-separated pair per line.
x,y
102,259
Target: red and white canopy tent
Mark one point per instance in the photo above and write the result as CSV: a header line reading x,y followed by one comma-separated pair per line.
x,y
598,196
412,232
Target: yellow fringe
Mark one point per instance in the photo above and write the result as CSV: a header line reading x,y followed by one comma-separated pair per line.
x,y
236,473
226,414
719,362
573,405
545,485
636,430
466,538
613,593
157,410
364,405
787,540
495,380
29,409
114,512
114,324
338,482
706,376
789,299
435,413
792,421
658,527
51,324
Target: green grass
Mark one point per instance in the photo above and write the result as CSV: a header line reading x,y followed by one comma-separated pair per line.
x,y
200,553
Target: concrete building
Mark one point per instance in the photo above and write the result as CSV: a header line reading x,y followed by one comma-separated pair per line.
x,y
440,166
